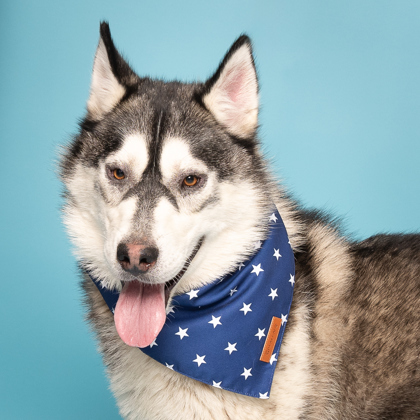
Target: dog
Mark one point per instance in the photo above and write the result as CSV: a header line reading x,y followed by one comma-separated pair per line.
x,y
167,195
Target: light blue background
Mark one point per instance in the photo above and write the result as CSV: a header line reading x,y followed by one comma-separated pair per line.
x,y
340,117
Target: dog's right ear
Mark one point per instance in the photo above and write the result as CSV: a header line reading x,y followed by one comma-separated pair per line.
x,y
111,76
231,95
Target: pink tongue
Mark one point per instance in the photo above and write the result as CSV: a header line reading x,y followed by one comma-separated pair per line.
x,y
140,313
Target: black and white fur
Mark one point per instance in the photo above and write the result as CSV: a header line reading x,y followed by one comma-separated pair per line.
x,y
352,344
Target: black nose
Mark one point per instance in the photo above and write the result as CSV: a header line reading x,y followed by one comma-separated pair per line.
x,y
136,258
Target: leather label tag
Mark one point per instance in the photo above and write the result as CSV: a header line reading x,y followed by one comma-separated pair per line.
x,y
271,339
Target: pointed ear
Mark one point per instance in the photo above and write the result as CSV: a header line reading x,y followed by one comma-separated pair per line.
x,y
111,76
231,95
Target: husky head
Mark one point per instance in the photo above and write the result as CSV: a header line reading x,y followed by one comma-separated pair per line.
x,y
166,189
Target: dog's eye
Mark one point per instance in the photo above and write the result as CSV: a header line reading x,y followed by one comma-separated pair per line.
x,y
118,174
190,181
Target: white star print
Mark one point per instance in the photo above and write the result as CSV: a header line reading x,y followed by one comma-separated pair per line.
x,y
169,366
170,310
193,293
257,245
273,358
215,321
292,280
283,319
231,347
264,396
277,253
246,308
217,384
153,344
199,360
257,269
232,291
246,373
273,294
182,333
273,218
240,266
260,334
113,310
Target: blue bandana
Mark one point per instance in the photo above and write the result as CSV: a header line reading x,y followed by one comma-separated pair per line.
x,y
227,334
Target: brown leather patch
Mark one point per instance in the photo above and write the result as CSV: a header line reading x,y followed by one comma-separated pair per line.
x,y
271,339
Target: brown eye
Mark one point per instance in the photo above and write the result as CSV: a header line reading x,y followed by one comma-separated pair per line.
x,y
118,174
190,180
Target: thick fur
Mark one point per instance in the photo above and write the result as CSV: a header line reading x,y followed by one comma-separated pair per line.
x,y
352,343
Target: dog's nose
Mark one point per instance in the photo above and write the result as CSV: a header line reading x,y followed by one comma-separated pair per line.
x,y
136,259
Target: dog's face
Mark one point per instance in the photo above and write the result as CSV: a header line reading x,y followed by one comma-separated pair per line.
x,y
165,184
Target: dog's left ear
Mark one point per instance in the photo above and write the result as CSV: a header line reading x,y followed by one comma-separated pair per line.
x,y
111,76
231,94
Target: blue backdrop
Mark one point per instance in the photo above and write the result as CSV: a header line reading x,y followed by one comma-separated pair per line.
x,y
340,94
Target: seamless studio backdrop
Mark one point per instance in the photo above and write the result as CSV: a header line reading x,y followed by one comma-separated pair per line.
x,y
340,119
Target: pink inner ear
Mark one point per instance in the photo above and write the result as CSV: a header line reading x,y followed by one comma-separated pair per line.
x,y
234,84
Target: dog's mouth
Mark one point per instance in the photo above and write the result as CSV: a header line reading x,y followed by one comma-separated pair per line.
x,y
140,312
169,285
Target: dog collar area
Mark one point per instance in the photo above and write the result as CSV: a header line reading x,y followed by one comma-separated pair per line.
x,y
228,334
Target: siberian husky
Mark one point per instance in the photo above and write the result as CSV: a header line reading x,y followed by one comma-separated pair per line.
x,y
167,192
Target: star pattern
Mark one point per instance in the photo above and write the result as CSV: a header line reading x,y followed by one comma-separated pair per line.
x,y
246,373
277,254
260,334
217,384
182,333
193,294
257,269
215,321
199,360
246,308
231,347
273,294
292,280
220,353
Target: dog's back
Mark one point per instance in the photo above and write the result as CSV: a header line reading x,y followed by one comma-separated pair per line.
x,y
363,300
380,376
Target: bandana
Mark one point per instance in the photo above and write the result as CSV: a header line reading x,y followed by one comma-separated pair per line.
x,y
227,334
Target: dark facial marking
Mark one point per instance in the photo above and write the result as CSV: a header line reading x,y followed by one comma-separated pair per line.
x,y
211,200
